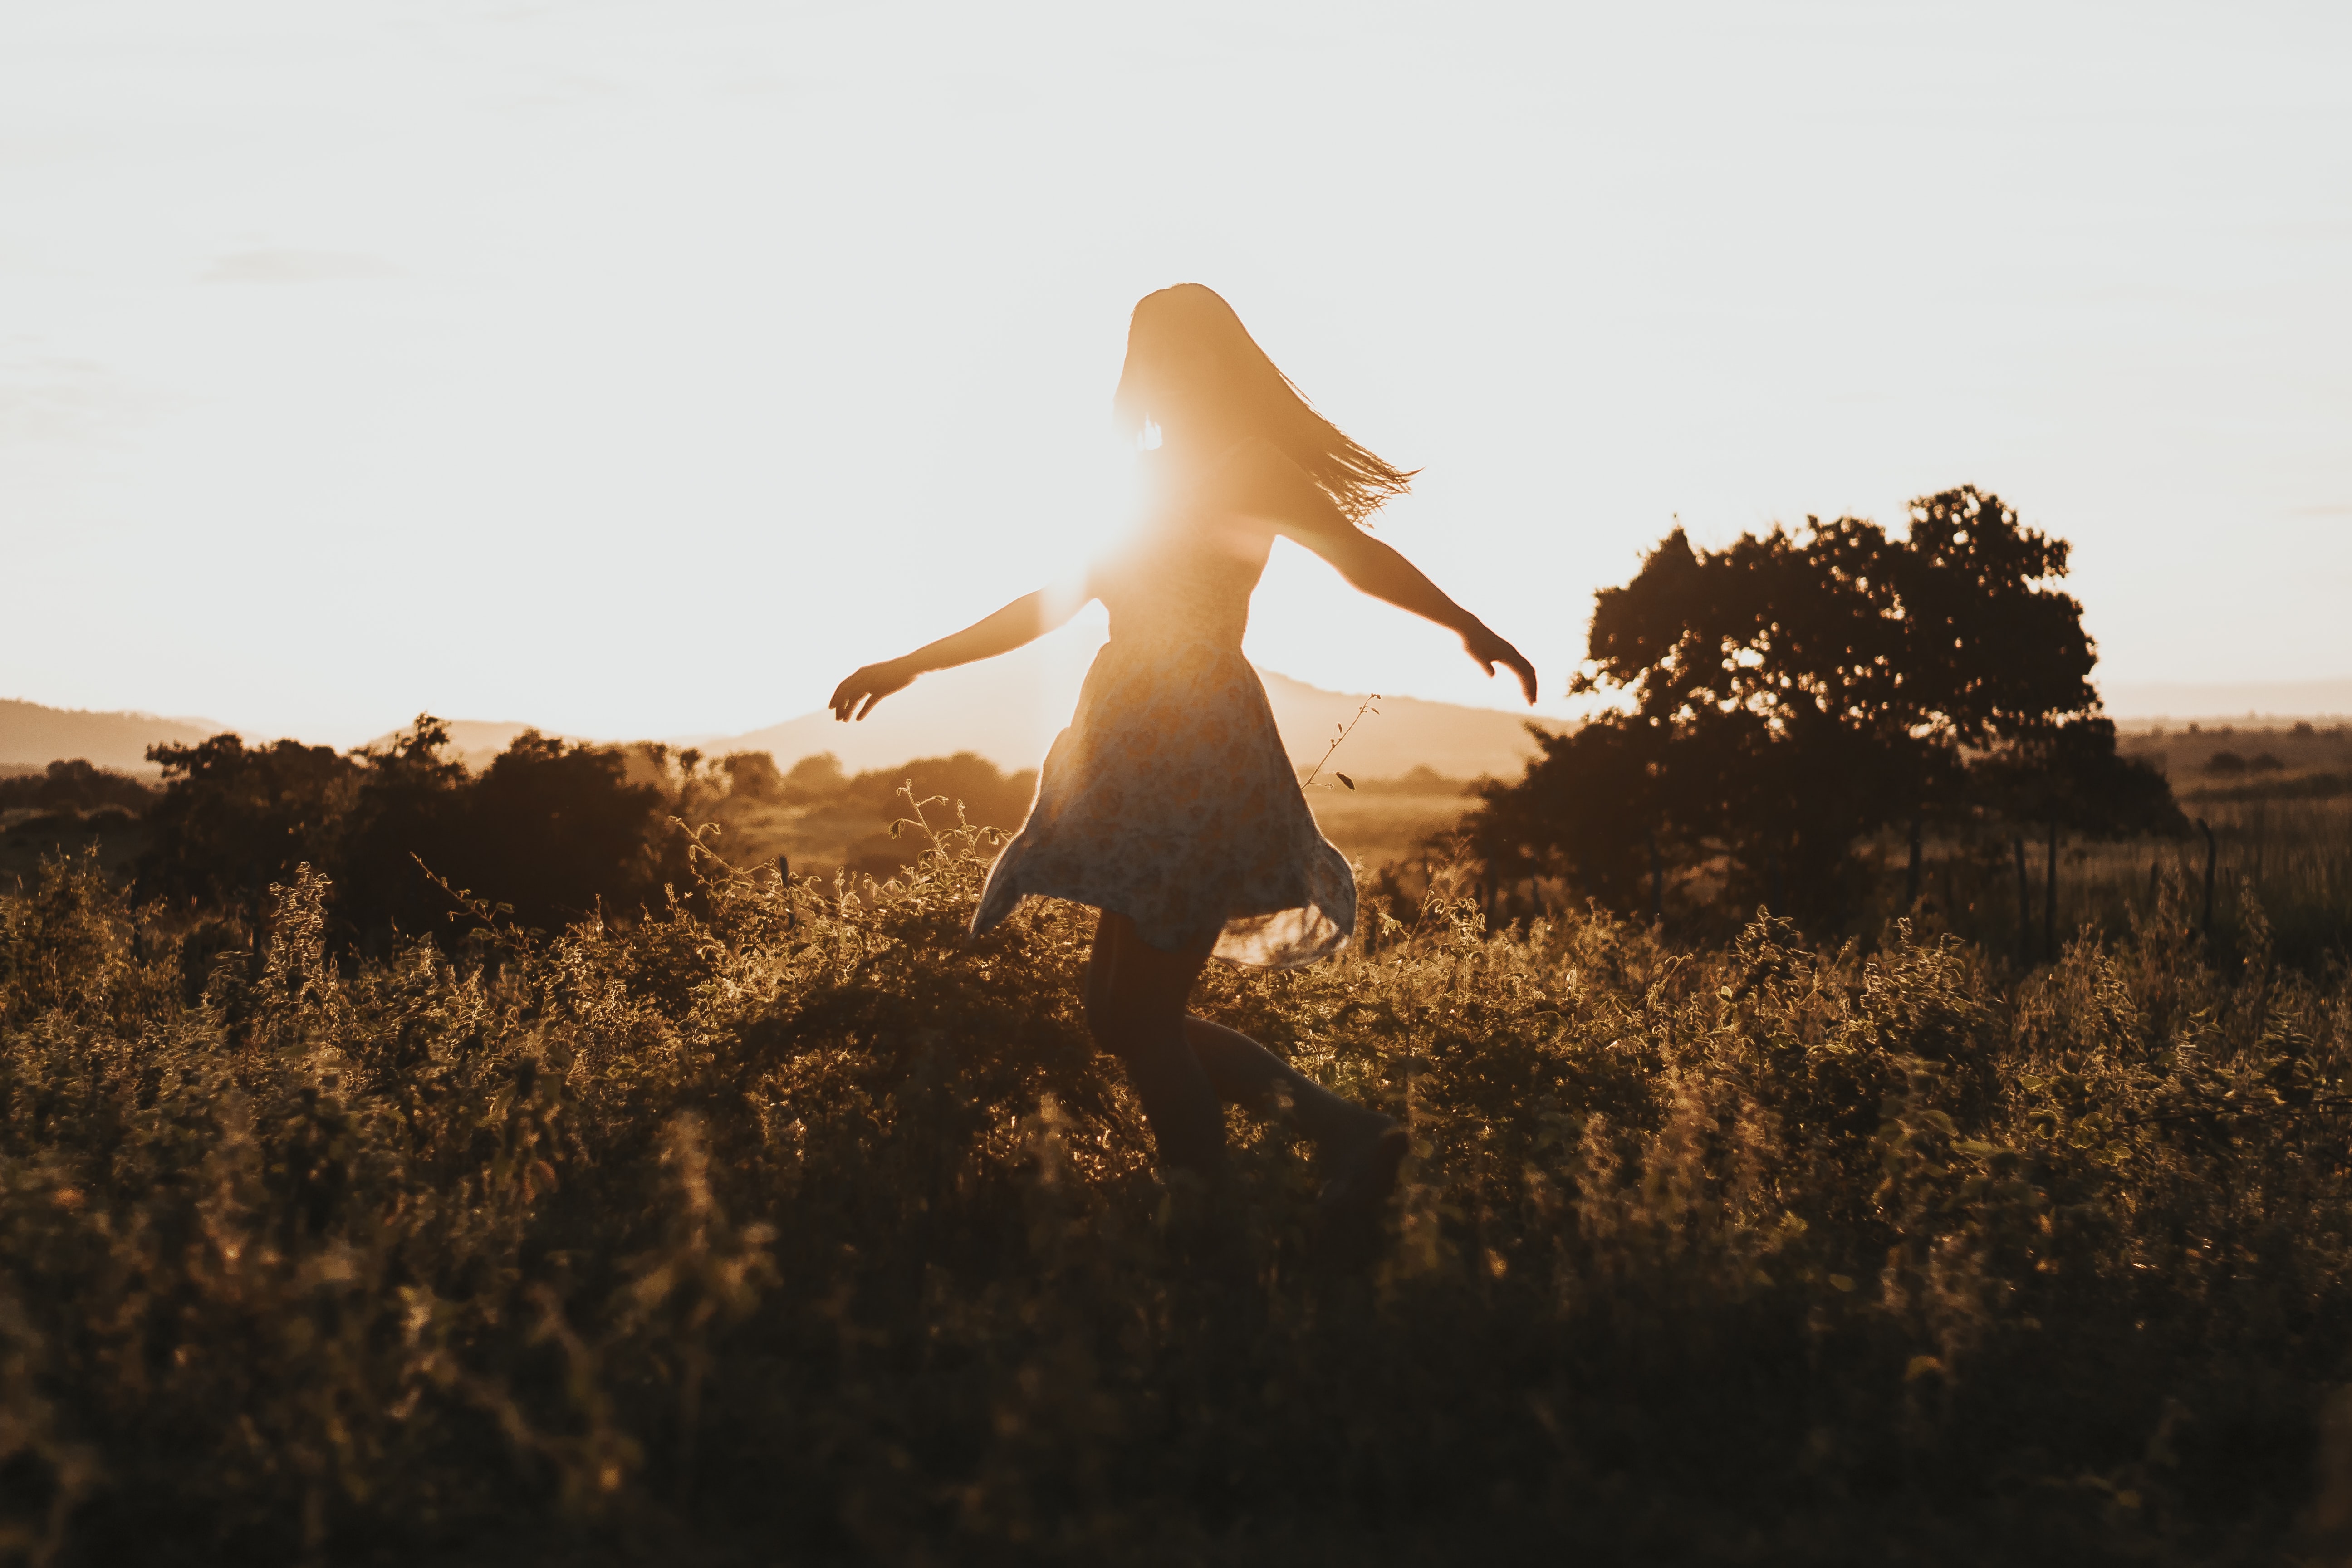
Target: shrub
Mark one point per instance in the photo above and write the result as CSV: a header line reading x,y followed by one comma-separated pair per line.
x,y
234,820
74,787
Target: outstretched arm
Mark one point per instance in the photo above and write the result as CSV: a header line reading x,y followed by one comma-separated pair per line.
x,y
1024,620
1300,511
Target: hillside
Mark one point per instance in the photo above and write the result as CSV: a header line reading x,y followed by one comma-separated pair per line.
x,y
1009,709
32,735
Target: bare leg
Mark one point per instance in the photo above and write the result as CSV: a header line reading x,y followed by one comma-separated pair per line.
x,y
1135,1009
1244,1073
1182,1067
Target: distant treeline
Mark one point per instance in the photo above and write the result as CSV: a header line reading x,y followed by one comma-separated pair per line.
x,y
2306,786
550,831
75,786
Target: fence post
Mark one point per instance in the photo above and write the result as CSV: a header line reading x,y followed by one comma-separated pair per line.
x,y
2212,854
1657,882
2049,898
1911,883
2024,905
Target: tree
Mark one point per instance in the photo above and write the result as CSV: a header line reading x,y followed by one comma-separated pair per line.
x,y
558,832
234,819
1793,693
753,776
74,785
555,832
408,814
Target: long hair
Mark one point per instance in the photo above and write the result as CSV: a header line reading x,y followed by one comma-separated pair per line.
x,y
1188,336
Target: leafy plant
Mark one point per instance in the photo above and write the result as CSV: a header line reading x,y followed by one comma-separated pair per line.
x,y
785,1225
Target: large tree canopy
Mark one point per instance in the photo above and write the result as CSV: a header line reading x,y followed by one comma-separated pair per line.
x,y
1791,693
1950,635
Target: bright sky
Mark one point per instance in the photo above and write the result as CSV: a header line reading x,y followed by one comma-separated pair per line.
x,y
635,368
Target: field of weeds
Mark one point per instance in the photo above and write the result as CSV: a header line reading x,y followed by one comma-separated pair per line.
x,y
786,1228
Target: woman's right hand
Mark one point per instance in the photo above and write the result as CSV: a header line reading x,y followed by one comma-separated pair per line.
x,y
1489,650
855,697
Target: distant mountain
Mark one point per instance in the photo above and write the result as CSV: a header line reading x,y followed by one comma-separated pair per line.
x,y
34,736
2236,701
1402,733
1009,709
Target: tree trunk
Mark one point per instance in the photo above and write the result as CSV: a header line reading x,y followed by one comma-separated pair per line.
x,y
2050,898
2024,906
1911,882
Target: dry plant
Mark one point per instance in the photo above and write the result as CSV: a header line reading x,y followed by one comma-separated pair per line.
x,y
784,1224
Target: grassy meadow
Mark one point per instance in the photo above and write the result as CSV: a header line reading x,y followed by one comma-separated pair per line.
x,y
782,1226
1391,822
819,819
2279,808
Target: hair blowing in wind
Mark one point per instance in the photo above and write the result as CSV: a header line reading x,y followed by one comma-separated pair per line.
x,y
1185,345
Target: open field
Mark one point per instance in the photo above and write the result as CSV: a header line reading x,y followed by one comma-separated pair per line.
x,y
1388,821
786,1228
2281,855
2186,753
1379,821
2279,808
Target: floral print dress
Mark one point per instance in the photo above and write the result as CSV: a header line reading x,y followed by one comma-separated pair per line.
x,y
1169,798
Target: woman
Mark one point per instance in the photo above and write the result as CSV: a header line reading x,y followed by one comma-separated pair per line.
x,y
1169,804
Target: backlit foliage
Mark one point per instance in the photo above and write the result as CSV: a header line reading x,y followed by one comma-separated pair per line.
x,y
781,1227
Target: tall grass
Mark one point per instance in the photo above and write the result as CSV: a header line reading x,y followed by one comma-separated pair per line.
x,y
783,1227
2290,858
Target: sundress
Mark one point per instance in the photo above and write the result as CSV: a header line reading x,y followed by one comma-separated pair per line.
x,y
1169,798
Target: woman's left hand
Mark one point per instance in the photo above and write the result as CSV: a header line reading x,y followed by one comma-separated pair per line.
x,y
855,697
1490,650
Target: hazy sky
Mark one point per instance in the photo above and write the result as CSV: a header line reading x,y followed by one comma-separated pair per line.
x,y
640,369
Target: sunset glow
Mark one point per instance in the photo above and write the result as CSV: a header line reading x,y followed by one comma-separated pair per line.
x,y
360,359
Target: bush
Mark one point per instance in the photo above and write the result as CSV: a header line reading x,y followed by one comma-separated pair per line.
x,y
550,832
234,820
74,787
799,1230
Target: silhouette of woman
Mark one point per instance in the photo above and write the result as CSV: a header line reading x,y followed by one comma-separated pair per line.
x,y
1169,804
